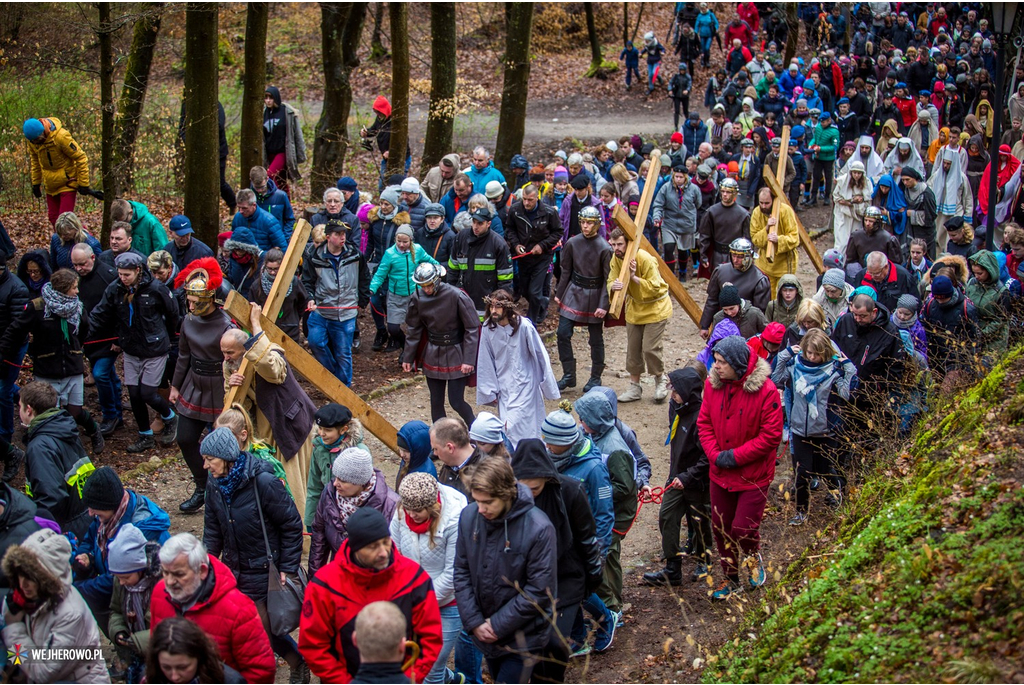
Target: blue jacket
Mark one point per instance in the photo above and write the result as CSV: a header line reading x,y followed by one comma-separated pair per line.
x,y
448,202
480,179
693,137
265,228
277,203
141,512
631,55
787,83
586,466
706,25
60,252
416,435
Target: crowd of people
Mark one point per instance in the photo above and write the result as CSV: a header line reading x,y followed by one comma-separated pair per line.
x,y
500,538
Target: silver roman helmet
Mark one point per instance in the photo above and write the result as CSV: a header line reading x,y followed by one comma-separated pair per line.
x,y
427,274
742,246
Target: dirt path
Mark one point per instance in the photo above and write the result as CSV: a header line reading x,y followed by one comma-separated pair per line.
x,y
655,643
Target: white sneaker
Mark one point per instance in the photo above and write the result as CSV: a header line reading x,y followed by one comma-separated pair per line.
x,y
660,388
633,394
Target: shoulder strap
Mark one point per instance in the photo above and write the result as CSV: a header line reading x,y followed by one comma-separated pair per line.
x,y
259,508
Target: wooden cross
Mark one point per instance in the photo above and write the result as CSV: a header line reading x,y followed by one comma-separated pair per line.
x,y
646,198
780,176
775,183
307,366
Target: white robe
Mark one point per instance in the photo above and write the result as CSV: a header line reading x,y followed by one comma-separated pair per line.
x,y
847,219
515,370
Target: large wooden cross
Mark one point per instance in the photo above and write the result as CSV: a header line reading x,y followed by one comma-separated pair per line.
x,y
633,246
775,183
298,358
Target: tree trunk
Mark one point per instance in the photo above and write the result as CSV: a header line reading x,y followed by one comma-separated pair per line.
x,y
254,83
398,13
595,43
107,116
512,116
625,23
441,115
341,29
377,49
202,173
133,94
793,21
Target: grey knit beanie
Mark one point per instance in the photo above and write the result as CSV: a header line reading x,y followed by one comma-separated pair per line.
x,y
406,230
127,551
559,428
908,302
354,465
835,278
221,444
734,350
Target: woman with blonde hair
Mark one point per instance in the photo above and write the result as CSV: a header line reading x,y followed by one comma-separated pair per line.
x,y
238,421
809,316
68,231
624,180
425,527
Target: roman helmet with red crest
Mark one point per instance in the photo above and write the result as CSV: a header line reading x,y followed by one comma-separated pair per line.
x,y
201,279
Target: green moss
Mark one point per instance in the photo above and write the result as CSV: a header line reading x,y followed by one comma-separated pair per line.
x,y
927,566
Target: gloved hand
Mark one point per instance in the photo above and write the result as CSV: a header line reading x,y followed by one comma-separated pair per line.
x,y
84,190
726,460
37,191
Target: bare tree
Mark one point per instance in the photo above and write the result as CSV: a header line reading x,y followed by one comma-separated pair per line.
x,y
341,29
512,115
793,22
398,13
202,174
254,83
107,115
377,49
443,69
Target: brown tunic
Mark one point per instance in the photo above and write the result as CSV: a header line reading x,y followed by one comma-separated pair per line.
x,y
581,291
449,327
197,375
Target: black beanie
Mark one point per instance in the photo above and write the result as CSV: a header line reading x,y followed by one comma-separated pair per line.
x,y
579,182
365,527
103,490
729,296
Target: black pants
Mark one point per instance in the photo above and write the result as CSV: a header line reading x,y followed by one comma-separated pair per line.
x,y
678,104
456,392
695,507
794,192
676,259
226,192
564,336
813,457
555,657
142,397
513,668
532,272
822,169
189,432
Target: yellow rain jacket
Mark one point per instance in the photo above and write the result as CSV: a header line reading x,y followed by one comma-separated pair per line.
x,y
59,164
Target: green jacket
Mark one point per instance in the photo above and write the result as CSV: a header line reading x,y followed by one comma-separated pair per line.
x,y
148,234
398,268
827,140
988,299
118,623
320,466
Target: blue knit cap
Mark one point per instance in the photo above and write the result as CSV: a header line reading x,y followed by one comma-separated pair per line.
x,y
559,428
32,129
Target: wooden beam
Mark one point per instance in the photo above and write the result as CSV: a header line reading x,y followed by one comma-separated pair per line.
x,y
646,199
805,239
274,302
306,365
679,293
780,176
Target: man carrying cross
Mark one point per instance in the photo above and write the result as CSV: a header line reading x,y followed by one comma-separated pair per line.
x,y
782,231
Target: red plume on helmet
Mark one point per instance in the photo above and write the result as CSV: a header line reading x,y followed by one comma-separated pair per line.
x,y
208,264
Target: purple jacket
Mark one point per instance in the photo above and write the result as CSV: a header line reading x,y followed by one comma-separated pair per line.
x,y
565,215
328,530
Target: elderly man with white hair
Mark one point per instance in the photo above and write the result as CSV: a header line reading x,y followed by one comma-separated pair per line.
x,y
202,589
482,170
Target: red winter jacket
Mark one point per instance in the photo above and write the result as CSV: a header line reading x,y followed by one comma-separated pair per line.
x,y
341,589
746,417
230,618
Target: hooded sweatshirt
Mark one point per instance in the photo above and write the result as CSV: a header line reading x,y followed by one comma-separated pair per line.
x,y
777,309
274,125
596,412
988,299
687,460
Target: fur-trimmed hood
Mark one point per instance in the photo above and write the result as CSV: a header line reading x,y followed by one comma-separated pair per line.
x,y
758,372
232,245
401,218
958,263
44,557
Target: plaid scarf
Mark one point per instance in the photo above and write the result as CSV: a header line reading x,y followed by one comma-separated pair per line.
x,y
267,282
348,505
108,529
61,305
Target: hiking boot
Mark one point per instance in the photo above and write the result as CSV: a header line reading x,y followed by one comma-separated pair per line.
x,y
699,571
633,394
170,432
394,345
834,499
355,343
98,443
799,519
12,463
592,383
755,564
300,674
568,379
815,483
669,576
109,426
660,388
145,442
605,633
193,504
727,589
379,341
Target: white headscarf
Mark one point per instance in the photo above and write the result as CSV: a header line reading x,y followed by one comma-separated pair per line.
x,y
914,162
873,165
946,185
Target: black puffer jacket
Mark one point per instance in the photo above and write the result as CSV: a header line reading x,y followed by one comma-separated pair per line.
x,y
90,291
54,464
233,532
56,347
952,332
564,501
13,298
506,571
876,349
17,522
687,460
144,323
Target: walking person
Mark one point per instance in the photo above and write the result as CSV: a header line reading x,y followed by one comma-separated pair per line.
x,y
283,146
740,427
532,231
59,165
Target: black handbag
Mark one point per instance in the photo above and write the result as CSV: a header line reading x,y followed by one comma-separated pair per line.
x,y
284,600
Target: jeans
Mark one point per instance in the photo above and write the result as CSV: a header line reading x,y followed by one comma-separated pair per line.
x,y
531,275
596,608
108,387
630,70
705,49
8,388
451,628
331,342
510,669
650,76
468,659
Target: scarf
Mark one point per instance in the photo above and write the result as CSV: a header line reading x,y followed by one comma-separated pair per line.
x,y
894,202
109,529
681,192
229,483
62,306
137,603
904,325
807,378
348,505
267,282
